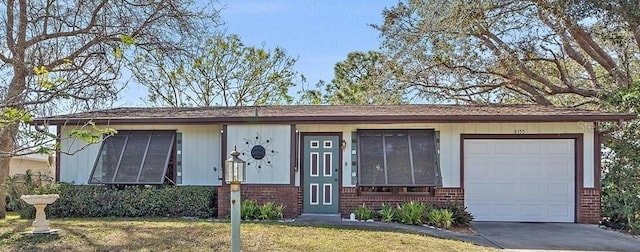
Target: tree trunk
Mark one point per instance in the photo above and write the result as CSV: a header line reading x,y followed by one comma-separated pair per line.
x,y
9,133
7,139
4,174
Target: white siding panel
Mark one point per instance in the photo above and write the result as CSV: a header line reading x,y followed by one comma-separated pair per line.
x,y
200,154
201,148
453,180
275,166
450,141
346,160
588,163
446,153
76,160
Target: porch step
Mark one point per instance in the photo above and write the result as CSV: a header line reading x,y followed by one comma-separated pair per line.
x,y
329,219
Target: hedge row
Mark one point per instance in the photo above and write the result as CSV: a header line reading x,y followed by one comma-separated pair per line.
x,y
133,201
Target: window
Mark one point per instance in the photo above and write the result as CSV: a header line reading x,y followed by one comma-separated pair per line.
x,y
405,158
136,157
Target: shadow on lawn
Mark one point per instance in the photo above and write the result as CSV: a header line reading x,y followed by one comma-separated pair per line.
x,y
25,241
135,235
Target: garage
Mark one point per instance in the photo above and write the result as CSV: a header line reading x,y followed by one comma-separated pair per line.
x,y
523,180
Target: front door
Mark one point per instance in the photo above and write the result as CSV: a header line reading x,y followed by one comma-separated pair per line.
x,y
321,166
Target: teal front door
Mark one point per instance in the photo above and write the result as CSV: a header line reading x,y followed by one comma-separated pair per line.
x,y
321,166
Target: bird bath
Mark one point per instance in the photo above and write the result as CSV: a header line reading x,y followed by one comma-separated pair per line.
x,y
40,224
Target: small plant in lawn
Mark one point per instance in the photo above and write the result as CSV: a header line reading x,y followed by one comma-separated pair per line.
x,y
364,213
387,213
441,218
270,211
248,210
411,212
461,217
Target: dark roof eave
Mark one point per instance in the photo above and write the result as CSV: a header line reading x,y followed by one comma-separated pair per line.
x,y
344,119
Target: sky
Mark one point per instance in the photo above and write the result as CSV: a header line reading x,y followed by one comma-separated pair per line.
x,y
318,33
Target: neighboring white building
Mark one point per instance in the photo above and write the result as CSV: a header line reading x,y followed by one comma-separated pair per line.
x,y
37,163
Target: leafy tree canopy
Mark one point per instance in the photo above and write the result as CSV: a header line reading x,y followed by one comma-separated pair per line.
x,y
66,55
220,72
363,78
565,53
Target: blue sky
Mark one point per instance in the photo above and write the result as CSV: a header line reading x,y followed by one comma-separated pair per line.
x,y
318,33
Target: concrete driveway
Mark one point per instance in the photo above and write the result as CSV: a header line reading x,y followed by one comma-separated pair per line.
x,y
554,236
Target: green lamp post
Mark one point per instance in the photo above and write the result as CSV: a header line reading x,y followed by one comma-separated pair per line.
x,y
236,172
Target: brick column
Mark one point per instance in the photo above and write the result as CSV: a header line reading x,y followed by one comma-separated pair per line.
x,y
590,208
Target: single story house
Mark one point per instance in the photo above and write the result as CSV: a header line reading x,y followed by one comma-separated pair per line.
x,y
504,162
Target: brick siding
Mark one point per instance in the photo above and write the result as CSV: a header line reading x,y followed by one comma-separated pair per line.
x,y
590,209
289,196
350,198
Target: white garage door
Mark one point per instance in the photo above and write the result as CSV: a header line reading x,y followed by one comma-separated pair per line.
x,y
528,180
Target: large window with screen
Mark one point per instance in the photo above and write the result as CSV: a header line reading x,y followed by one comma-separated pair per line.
x,y
406,158
135,157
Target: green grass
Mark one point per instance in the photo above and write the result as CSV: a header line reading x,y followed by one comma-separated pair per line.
x,y
116,234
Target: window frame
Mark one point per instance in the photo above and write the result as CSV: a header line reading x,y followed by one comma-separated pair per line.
x,y
408,132
169,161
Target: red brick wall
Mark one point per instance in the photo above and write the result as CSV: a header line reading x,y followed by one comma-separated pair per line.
x,y
289,196
590,210
350,198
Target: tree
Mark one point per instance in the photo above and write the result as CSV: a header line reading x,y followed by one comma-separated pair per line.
x,y
222,71
545,52
550,52
361,79
71,53
621,181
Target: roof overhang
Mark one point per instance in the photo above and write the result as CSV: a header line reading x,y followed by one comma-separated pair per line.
x,y
386,119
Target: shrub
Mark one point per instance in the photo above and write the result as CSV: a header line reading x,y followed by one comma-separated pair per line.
x,y
412,213
363,213
270,211
132,201
441,218
248,210
620,184
387,213
461,217
12,199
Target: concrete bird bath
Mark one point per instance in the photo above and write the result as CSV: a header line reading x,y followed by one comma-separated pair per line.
x,y
40,224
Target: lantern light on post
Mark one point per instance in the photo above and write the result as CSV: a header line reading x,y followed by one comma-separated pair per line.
x,y
236,169
236,172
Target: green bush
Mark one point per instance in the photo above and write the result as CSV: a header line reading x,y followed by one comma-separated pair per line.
x,y
412,213
441,218
270,211
387,213
461,217
363,213
132,201
12,199
620,184
248,209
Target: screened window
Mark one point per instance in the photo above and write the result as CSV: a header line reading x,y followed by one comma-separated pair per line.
x,y
398,158
135,157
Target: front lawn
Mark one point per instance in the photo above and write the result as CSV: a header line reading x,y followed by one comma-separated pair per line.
x,y
106,234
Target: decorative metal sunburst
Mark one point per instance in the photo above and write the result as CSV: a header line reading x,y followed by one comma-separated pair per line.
x,y
258,153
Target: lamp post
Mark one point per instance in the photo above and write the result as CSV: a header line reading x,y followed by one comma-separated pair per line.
x,y
236,170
